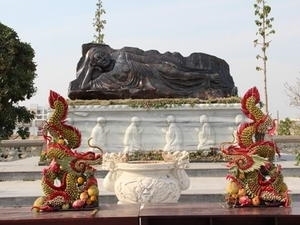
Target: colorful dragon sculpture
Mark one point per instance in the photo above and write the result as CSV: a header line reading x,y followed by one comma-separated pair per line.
x,y
68,182
253,178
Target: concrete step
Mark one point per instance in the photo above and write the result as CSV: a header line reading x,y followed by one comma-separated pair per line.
x,y
210,189
28,169
20,182
192,172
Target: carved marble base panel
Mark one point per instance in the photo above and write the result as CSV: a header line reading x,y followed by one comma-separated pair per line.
x,y
146,186
117,128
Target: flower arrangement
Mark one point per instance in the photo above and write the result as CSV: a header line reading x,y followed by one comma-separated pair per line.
x,y
68,182
253,178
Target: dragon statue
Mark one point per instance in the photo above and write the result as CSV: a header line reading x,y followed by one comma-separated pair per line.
x,y
253,178
68,182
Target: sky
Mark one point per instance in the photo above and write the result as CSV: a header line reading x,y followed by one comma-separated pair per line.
x,y
56,30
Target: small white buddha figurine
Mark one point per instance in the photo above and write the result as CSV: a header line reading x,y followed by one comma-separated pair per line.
x,y
238,120
206,135
173,135
99,134
133,136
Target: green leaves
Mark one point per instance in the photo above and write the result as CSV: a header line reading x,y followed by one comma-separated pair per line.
x,y
284,127
17,72
264,24
99,23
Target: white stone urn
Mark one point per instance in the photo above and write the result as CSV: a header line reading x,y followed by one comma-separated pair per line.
x,y
147,181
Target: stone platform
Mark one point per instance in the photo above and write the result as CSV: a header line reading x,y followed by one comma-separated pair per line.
x,y
146,127
200,213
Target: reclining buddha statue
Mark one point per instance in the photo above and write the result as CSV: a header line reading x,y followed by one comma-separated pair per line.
x,y
106,73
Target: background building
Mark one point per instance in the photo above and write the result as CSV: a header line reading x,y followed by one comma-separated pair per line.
x,y
41,113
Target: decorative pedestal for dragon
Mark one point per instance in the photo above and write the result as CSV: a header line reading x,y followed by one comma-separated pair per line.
x,y
254,180
68,182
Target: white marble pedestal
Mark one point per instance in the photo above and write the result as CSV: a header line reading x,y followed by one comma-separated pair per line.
x,y
173,127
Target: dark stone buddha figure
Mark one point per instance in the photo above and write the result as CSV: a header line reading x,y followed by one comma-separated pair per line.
x,y
106,73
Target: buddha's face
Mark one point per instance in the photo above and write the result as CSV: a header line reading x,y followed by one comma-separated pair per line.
x,y
101,58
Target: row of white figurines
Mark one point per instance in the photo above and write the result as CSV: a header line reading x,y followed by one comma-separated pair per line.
x,y
172,134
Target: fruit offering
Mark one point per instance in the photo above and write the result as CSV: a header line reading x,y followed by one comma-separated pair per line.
x,y
68,182
253,179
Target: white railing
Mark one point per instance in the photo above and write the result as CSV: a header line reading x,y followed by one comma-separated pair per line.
x,y
288,143
287,139
19,149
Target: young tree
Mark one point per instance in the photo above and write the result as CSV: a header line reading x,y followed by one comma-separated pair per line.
x,y
293,92
17,72
264,24
99,23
